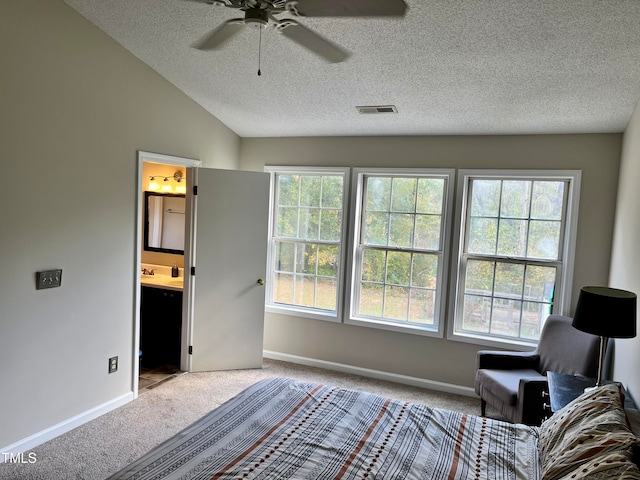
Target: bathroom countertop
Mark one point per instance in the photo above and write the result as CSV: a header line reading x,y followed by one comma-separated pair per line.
x,y
161,278
162,281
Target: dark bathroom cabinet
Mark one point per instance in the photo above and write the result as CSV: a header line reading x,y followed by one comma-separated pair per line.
x,y
160,327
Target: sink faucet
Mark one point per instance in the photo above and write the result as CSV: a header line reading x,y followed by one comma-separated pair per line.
x,y
148,272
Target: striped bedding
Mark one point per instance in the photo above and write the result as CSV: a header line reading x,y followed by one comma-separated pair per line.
x,y
282,428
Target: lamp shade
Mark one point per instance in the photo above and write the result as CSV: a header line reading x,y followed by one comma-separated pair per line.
x,y
606,312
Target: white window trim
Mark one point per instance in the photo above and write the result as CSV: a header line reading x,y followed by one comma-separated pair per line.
x,y
296,310
562,294
353,262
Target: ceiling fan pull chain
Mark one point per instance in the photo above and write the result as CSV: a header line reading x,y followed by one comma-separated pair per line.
x,y
259,51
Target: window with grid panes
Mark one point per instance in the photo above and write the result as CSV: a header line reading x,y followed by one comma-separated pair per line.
x,y
512,263
306,237
398,267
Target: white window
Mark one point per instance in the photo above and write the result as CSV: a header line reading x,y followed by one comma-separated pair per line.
x,y
515,260
306,238
400,248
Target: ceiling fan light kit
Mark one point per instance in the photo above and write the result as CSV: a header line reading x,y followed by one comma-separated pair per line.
x,y
262,13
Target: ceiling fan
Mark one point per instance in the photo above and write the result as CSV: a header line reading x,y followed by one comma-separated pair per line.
x,y
262,13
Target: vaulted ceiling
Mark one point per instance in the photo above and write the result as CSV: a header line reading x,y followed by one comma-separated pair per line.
x,y
449,67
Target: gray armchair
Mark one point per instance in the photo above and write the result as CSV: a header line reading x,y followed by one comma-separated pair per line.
x,y
513,382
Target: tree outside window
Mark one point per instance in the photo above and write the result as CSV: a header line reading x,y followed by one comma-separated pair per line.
x,y
399,255
306,239
511,264
511,244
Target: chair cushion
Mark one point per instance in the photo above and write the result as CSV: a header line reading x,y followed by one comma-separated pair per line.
x,y
503,384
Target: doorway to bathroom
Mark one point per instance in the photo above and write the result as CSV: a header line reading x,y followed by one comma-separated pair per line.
x,y
162,215
223,269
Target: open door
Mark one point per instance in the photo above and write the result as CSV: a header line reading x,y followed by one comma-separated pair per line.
x,y
230,249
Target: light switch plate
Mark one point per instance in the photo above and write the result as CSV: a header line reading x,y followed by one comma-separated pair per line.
x,y
48,279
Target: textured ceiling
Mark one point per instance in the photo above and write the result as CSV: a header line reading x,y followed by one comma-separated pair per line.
x,y
450,67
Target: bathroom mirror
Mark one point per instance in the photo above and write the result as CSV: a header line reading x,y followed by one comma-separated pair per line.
x,y
164,215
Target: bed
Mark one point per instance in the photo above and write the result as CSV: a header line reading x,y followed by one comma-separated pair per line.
x,y
281,428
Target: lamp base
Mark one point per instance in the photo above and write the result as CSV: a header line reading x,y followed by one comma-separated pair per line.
x,y
603,349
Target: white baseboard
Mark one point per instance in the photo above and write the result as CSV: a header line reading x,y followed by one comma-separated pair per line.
x,y
367,372
45,435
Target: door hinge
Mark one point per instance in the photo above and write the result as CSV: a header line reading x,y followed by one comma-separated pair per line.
x,y
195,189
190,349
193,271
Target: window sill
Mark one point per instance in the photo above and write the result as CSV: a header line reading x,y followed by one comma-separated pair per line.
x,y
497,342
301,312
395,327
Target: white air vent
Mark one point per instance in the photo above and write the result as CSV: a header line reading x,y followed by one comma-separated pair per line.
x,y
377,109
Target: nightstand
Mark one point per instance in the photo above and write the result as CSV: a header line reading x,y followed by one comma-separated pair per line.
x,y
564,388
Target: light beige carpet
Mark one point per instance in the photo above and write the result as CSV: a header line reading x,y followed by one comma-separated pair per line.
x,y
103,446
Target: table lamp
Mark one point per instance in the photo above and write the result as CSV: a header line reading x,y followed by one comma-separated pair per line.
x,y
607,313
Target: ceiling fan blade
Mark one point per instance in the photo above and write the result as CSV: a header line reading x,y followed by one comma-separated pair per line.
x,y
312,41
349,8
223,3
221,34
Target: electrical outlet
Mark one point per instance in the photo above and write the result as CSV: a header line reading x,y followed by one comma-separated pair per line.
x,y
48,279
113,364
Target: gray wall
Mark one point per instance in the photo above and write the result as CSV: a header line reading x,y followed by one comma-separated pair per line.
x,y
74,109
625,261
423,357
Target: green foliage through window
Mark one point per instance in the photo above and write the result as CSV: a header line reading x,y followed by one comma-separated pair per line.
x,y
512,253
401,248
512,236
306,240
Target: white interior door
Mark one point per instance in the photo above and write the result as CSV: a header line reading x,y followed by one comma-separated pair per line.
x,y
232,211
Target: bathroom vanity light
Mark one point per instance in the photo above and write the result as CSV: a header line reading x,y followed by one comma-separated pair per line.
x,y
166,185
